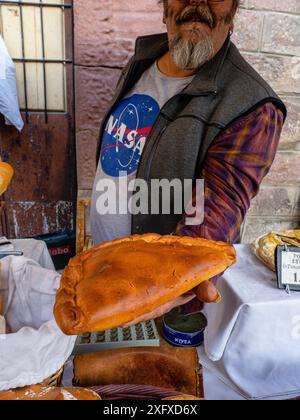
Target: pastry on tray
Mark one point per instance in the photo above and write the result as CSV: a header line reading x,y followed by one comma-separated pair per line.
x,y
116,282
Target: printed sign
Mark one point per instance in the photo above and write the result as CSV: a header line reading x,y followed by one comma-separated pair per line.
x,y
288,267
60,250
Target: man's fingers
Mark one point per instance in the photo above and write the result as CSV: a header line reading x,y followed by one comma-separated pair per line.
x,y
208,293
163,309
148,317
184,299
138,321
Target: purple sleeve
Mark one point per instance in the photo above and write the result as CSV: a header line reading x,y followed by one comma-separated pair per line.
x,y
235,165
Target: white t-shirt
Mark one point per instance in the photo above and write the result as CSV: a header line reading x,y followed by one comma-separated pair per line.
x,y
126,133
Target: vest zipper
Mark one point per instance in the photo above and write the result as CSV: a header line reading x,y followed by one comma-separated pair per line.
x,y
153,151
157,140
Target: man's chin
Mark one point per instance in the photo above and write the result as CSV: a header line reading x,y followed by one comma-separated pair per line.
x,y
194,31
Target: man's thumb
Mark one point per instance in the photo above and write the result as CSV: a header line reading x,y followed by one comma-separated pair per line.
x,y
208,293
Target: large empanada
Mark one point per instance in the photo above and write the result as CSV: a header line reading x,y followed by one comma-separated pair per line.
x,y
116,282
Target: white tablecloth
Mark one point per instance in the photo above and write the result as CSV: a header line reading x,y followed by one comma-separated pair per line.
x,y
252,343
35,250
35,347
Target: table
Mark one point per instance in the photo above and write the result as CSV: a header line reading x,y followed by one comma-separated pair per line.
x,y
252,343
35,250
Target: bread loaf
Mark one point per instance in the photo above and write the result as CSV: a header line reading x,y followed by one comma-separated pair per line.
x,y
265,246
166,367
38,392
116,282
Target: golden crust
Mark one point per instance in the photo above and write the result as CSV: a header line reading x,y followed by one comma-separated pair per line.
x,y
167,367
6,175
39,393
116,282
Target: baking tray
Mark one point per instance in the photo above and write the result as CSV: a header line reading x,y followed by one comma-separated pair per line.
x,y
141,335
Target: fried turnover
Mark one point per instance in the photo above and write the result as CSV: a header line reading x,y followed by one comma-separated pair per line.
x,y
116,282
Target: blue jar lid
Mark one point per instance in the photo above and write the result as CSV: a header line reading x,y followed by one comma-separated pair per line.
x,y
184,330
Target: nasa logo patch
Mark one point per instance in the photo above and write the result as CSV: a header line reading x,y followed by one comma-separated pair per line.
x,y
126,133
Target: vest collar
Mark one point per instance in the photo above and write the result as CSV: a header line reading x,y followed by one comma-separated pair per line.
x,y
150,48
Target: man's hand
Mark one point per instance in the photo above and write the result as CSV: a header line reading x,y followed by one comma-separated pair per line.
x,y
206,293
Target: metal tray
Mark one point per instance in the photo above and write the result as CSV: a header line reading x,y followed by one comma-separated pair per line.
x,y
141,335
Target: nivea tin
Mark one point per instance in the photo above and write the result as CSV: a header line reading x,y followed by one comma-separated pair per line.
x,y
184,330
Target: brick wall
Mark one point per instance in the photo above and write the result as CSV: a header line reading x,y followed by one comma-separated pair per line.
x,y
268,34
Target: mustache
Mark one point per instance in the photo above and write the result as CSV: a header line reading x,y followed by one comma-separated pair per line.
x,y
196,14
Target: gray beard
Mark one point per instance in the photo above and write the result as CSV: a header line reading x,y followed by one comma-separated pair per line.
x,y
190,56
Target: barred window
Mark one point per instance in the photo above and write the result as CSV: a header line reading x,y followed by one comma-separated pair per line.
x,y
34,32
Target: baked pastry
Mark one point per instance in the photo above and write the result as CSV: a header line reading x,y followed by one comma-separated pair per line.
x,y
116,282
166,367
265,246
6,174
39,392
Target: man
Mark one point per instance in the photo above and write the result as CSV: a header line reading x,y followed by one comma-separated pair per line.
x,y
188,106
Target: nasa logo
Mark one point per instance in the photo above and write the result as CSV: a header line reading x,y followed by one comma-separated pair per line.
x,y
126,132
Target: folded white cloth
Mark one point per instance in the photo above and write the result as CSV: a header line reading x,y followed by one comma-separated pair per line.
x,y
9,104
5,245
252,341
35,250
218,387
35,349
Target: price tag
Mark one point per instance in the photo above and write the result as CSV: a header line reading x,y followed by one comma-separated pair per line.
x,y
288,267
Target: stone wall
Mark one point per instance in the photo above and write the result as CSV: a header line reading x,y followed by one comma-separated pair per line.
x,y
268,34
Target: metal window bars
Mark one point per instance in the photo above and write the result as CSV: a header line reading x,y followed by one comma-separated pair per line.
x,y
43,60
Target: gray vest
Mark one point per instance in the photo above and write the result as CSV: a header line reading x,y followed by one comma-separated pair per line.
x,y
224,90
